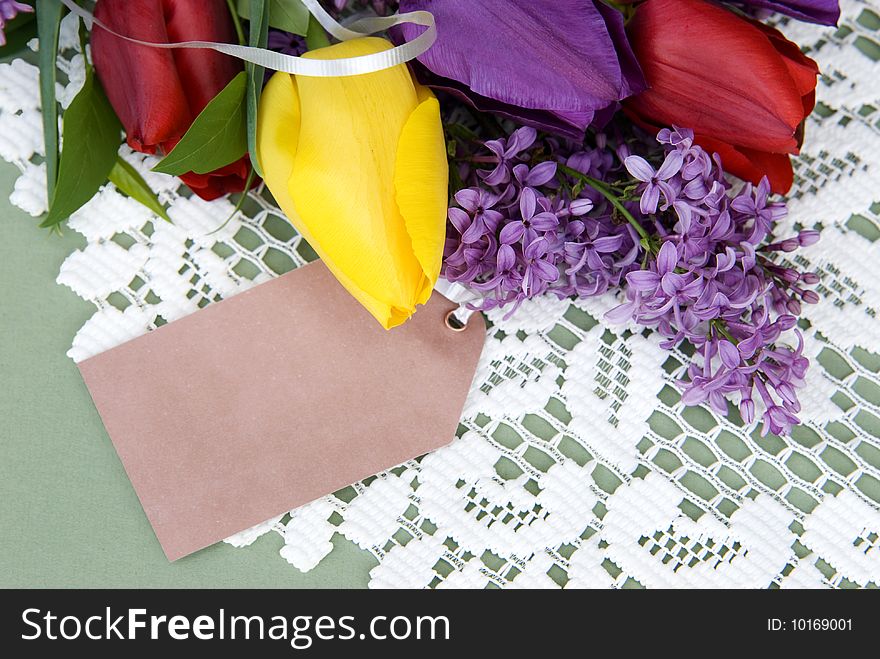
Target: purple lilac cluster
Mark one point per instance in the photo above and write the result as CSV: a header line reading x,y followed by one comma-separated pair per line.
x,y
709,280
693,255
522,228
9,9
285,43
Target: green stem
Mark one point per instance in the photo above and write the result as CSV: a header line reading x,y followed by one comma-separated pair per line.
x,y
48,24
721,328
602,189
241,199
236,21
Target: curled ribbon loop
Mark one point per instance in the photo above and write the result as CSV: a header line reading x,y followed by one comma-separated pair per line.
x,y
304,66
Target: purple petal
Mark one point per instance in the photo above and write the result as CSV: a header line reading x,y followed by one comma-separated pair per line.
x,y
521,139
468,198
474,232
521,173
633,77
694,395
511,233
728,353
527,203
541,173
544,222
570,124
747,410
667,258
670,166
620,314
672,283
498,176
643,280
650,199
492,219
580,207
535,249
567,60
639,168
824,12
506,258
808,237
546,270
460,220
607,244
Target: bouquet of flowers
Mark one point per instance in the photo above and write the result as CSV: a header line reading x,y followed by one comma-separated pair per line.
x,y
514,147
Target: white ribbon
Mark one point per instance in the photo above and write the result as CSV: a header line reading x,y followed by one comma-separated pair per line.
x,y
460,294
303,66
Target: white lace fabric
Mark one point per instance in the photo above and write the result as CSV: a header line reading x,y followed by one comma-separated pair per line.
x,y
576,465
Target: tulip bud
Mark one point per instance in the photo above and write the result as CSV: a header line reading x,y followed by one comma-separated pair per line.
x,y
358,164
740,85
158,93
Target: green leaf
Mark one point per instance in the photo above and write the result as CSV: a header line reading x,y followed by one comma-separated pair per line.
x,y
258,37
241,199
316,36
216,138
128,180
233,12
287,15
48,25
91,139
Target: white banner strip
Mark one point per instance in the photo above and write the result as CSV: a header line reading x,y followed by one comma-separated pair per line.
x,y
303,66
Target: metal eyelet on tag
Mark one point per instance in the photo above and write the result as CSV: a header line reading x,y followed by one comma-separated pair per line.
x,y
457,319
453,322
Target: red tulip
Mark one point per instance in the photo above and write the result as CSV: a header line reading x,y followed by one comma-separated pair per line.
x,y
157,93
742,87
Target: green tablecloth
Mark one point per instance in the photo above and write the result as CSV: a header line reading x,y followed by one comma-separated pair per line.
x,y
69,514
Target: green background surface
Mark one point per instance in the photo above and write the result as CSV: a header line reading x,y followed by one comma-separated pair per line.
x,y
68,514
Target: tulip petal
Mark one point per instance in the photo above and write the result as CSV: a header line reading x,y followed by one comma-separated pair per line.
x,y
202,72
567,59
824,12
699,56
152,107
567,123
278,126
343,177
359,166
751,164
421,176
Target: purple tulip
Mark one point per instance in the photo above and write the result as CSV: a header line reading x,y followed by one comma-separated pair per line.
x,y
557,65
824,12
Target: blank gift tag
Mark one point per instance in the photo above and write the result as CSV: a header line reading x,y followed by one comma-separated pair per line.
x,y
277,396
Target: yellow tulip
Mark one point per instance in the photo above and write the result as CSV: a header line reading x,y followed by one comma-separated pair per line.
x,y
358,165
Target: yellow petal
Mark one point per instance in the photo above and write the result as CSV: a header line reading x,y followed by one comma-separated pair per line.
x,y
343,177
278,123
278,135
348,161
421,177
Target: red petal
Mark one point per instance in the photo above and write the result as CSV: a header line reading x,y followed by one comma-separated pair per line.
x,y
203,73
802,69
141,82
751,165
717,73
228,179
